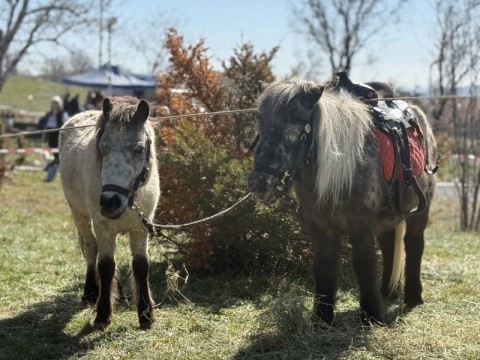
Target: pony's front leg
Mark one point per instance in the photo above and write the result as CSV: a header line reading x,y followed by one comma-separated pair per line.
x,y
106,241
88,243
326,249
141,268
365,267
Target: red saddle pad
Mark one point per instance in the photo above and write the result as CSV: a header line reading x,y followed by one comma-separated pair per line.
x,y
386,148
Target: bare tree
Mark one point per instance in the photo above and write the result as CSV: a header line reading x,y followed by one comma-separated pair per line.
x,y
25,24
77,61
308,66
456,47
458,63
151,40
342,28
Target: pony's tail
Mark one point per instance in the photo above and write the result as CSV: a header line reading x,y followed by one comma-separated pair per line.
x,y
398,263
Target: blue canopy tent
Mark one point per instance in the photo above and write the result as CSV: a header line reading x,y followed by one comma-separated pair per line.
x,y
114,78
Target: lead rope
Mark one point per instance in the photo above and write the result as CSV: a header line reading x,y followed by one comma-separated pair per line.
x,y
156,229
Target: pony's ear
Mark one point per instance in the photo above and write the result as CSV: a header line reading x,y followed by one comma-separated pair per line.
x,y
311,97
143,111
107,106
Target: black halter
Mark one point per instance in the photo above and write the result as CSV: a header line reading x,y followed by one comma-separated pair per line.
x,y
139,180
303,155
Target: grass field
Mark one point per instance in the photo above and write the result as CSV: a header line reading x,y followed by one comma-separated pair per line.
x,y
221,317
17,88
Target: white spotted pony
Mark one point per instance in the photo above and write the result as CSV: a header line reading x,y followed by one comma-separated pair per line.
x,y
106,164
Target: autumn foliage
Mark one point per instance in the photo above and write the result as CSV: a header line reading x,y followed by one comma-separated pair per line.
x,y
204,162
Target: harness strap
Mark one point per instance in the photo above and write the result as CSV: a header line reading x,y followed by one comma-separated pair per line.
x,y
302,159
404,148
260,167
142,177
115,188
254,143
139,180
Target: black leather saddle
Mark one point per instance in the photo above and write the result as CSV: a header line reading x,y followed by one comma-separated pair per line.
x,y
392,117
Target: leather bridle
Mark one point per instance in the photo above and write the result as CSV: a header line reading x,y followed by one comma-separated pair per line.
x,y
303,156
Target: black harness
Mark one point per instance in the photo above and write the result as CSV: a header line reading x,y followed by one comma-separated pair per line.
x,y
138,182
303,156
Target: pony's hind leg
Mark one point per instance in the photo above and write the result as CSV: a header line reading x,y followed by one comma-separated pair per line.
x,y
141,268
88,244
414,245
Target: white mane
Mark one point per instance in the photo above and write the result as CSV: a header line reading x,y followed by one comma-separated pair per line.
x,y
343,124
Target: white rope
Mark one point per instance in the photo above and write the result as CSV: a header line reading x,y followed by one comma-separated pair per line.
x,y
28,151
46,131
157,228
224,112
171,117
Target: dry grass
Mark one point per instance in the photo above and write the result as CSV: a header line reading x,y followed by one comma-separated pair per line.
x,y
445,327
41,317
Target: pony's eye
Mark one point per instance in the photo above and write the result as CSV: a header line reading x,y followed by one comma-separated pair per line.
x,y
139,150
293,134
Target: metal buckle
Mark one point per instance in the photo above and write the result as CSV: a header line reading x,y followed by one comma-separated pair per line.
x,y
145,175
286,175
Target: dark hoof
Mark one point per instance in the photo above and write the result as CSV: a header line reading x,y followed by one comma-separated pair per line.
x,y
320,318
90,299
101,324
371,320
146,323
411,303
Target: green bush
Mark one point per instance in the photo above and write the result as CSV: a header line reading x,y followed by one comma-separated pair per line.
x,y
252,238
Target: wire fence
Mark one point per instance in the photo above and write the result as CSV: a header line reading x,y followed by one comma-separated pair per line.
x,y
237,111
28,150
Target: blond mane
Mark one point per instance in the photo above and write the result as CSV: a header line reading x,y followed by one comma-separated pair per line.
x,y
343,122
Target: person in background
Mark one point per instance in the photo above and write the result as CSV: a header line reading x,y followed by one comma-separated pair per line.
x,y
9,121
54,119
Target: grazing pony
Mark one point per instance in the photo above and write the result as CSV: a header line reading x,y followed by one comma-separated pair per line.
x,y
106,164
324,142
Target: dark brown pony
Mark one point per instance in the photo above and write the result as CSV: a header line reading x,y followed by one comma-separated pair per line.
x,y
322,141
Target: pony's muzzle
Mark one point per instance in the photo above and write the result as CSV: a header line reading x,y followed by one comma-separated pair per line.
x,y
261,186
112,205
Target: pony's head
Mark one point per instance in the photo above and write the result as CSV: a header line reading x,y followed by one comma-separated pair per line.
x,y
284,124
123,144
299,121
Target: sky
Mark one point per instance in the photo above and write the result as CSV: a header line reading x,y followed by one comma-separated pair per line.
x,y
401,55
